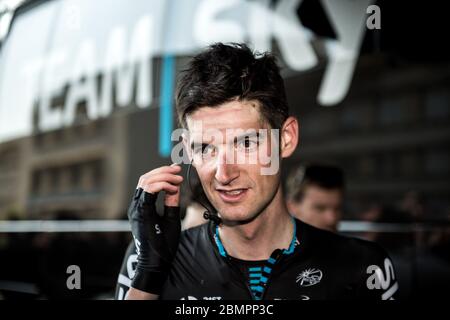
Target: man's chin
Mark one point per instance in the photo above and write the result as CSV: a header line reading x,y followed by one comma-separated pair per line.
x,y
233,218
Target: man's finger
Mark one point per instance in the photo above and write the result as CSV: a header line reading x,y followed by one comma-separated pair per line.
x,y
172,199
163,177
166,169
161,186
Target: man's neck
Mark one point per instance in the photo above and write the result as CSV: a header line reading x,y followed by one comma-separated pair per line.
x,y
256,240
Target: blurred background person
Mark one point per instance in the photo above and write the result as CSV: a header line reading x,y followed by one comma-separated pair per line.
x,y
315,195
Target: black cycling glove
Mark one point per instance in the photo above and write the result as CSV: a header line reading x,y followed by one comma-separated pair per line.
x,y
156,238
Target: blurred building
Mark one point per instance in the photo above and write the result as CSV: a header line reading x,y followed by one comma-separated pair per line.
x,y
65,170
87,170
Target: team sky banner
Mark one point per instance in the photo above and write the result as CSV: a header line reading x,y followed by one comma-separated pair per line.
x,y
57,51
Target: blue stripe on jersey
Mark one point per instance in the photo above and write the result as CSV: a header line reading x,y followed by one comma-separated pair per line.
x,y
267,270
255,275
256,280
254,269
219,243
257,288
293,241
271,260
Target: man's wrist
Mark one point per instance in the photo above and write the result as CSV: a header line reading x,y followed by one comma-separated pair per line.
x,y
136,294
149,281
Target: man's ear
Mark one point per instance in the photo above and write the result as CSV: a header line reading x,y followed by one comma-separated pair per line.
x,y
289,137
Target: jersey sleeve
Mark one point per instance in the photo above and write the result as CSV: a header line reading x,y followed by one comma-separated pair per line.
x,y
126,273
378,281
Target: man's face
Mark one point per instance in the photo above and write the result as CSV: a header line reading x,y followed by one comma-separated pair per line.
x,y
230,167
319,207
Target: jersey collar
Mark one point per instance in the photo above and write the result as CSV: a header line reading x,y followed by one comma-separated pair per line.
x,y
294,242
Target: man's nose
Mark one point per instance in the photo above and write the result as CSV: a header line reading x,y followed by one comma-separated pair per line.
x,y
225,172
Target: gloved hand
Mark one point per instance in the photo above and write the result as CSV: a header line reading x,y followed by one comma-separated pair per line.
x,y
156,236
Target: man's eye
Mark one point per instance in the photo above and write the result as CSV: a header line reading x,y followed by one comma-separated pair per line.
x,y
198,148
207,148
204,149
248,144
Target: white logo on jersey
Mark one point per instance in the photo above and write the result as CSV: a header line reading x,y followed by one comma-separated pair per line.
x,y
380,280
137,243
302,297
131,265
204,298
189,298
309,277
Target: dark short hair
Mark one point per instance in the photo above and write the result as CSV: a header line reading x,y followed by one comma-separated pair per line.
x,y
224,72
323,176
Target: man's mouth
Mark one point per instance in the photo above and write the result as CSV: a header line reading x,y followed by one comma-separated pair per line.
x,y
233,195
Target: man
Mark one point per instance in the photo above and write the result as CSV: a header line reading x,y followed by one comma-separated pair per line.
x,y
315,195
252,248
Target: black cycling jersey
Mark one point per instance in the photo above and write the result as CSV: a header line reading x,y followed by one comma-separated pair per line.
x,y
317,265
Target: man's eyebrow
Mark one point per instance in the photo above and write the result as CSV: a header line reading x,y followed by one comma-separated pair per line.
x,y
235,139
